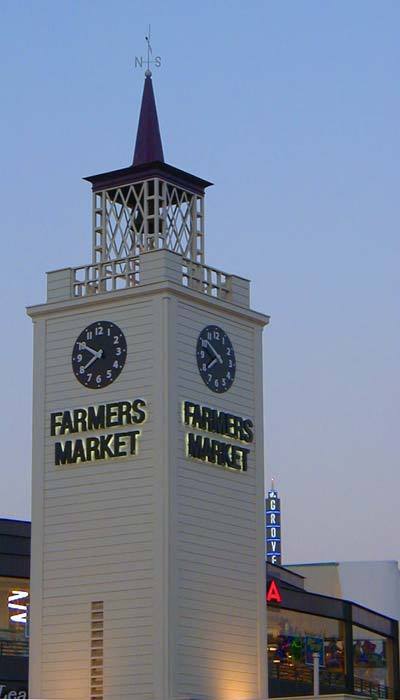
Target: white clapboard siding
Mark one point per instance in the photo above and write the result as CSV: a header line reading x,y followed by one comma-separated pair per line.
x,y
98,523
217,528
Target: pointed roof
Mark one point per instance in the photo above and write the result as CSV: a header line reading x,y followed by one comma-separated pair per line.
x,y
148,147
148,159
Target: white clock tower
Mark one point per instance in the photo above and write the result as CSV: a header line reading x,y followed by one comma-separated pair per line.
x,y
148,571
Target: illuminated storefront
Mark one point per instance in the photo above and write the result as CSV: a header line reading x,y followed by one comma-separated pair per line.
x,y
14,607
358,648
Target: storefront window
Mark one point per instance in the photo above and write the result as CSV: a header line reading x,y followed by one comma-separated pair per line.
x,y
293,638
373,668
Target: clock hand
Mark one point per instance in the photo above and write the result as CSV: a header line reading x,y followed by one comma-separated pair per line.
x,y
97,355
94,352
217,355
212,363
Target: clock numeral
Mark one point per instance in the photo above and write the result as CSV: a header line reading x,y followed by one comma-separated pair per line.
x,y
98,379
98,330
209,378
228,375
223,380
223,340
118,351
204,366
79,358
228,351
230,363
81,346
109,374
216,383
89,376
81,370
209,335
115,364
89,335
216,335
203,343
116,339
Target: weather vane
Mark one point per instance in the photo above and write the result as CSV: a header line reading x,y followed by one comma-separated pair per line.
x,y
156,61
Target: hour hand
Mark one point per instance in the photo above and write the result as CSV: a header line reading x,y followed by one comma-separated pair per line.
x,y
94,352
212,363
94,358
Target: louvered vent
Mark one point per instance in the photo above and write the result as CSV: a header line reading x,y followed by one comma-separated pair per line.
x,y
96,650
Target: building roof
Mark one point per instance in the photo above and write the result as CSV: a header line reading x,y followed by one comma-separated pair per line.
x,y
148,159
15,548
148,147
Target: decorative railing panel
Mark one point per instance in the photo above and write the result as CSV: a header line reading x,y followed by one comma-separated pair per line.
x,y
206,279
105,276
126,272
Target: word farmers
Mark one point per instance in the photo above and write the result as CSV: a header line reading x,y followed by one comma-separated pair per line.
x,y
213,421
79,420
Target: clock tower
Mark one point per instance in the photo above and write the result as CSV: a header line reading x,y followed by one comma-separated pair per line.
x,y
148,571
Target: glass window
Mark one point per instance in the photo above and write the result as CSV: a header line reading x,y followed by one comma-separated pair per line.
x,y
293,637
373,662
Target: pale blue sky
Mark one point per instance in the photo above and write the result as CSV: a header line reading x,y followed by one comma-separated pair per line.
x,y
292,109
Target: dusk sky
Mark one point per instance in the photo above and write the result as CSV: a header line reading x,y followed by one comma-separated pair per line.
x,y
292,109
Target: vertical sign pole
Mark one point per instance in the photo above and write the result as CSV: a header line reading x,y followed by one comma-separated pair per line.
x,y
316,674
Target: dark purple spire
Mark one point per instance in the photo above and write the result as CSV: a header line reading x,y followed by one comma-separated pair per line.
x,y
148,147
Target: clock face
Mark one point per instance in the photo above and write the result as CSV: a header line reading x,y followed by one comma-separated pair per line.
x,y
216,359
99,354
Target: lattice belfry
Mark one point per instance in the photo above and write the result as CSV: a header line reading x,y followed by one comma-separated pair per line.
x,y
149,215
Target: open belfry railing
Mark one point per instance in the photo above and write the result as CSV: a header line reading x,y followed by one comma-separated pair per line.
x,y
124,273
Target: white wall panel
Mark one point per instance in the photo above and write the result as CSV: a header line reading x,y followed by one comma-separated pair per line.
x,y
98,522
217,526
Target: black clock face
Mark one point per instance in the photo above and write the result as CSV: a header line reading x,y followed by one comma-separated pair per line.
x,y
216,359
99,354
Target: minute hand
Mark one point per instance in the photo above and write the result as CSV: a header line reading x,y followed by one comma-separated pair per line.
x,y
217,355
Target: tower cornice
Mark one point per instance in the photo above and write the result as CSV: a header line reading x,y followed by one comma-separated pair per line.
x,y
148,290
136,173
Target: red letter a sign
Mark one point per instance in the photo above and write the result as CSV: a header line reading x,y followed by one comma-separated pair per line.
x,y
273,594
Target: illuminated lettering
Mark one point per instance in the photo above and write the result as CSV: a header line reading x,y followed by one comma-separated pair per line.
x,y
217,452
213,421
97,447
273,593
82,420
273,527
13,597
101,447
